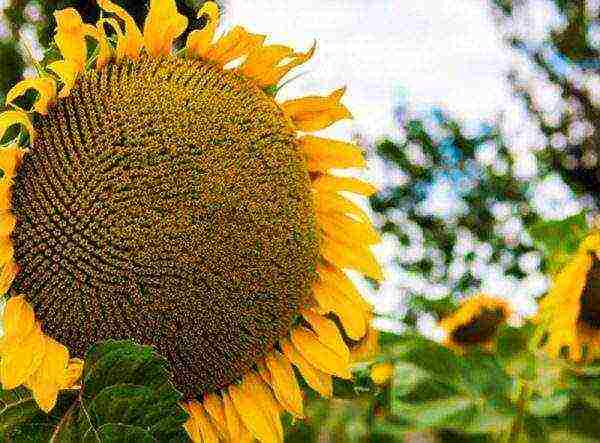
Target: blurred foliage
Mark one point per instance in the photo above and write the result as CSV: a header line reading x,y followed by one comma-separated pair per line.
x,y
561,63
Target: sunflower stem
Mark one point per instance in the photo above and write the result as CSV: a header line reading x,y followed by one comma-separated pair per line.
x,y
517,424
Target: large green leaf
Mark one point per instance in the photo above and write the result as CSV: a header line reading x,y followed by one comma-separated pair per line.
x,y
126,395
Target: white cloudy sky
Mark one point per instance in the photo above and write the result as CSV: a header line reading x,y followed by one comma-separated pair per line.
x,y
439,51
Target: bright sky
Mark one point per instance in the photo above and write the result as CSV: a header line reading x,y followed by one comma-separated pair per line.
x,y
444,52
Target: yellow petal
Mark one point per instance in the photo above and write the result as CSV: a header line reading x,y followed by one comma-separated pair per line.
x,y
46,381
199,40
6,251
266,66
162,26
7,223
18,320
233,45
66,71
207,430
265,396
333,277
316,353
327,333
234,425
45,87
129,42
331,183
72,373
314,112
354,257
70,36
7,275
254,412
10,118
263,371
344,229
214,406
284,383
21,361
336,204
323,154
367,348
105,52
191,426
319,381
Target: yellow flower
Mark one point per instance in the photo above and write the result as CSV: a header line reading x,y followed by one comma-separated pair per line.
x,y
381,373
570,312
475,322
170,200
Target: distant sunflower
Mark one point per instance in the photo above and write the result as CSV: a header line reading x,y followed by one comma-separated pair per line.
x,y
169,199
570,312
475,322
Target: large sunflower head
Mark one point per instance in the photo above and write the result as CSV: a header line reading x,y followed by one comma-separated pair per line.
x,y
570,312
172,200
475,322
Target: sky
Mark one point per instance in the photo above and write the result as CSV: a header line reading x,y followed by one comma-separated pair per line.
x,y
431,52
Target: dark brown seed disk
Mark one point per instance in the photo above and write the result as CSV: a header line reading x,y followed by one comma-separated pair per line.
x,y
589,313
166,201
480,329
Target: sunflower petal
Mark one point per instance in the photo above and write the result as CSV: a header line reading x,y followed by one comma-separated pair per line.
x,y
264,64
236,43
284,383
319,381
105,51
354,257
265,396
192,426
253,413
46,381
316,353
199,40
162,26
7,223
335,278
327,333
344,229
72,373
8,274
234,425
70,36
19,362
323,154
263,371
18,320
129,42
331,183
6,251
66,71
336,204
45,87
10,118
315,112
214,406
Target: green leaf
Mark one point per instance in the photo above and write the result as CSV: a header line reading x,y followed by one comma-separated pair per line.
x,y
127,395
551,405
559,239
452,412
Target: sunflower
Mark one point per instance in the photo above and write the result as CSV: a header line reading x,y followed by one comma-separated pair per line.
x,y
570,312
168,198
475,322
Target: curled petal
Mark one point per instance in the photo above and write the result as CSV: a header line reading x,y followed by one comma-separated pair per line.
x,y
72,374
130,41
10,118
70,36
200,40
327,333
268,64
45,87
66,70
315,112
236,43
163,25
